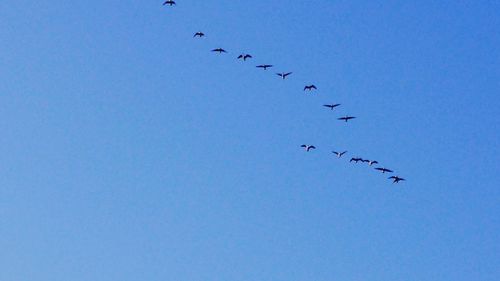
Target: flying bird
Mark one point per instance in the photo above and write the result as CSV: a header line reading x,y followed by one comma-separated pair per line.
x,y
372,162
264,66
347,118
396,179
339,154
356,160
283,75
244,57
199,34
308,147
169,2
384,170
331,106
219,50
310,87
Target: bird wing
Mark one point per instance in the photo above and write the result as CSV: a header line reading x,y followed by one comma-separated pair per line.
x,y
248,56
312,147
240,56
279,74
327,105
303,145
342,118
286,74
314,87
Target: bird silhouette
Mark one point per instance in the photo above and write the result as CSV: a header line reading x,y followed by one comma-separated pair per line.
x,y
283,75
264,66
199,34
396,179
331,106
308,147
339,154
347,118
372,162
384,170
244,57
356,160
219,50
310,87
169,2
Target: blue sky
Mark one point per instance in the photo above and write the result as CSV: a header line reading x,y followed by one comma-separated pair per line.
x,y
130,152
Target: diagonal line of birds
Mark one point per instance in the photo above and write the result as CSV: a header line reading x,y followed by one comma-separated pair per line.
x,y
284,75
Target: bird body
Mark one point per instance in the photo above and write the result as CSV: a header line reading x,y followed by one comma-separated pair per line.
x,y
308,147
339,154
244,57
396,179
219,50
356,160
169,2
331,106
384,170
310,88
283,75
199,34
347,118
264,66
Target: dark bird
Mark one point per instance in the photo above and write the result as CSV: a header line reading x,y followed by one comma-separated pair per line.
x,y
339,154
283,75
347,118
264,66
244,57
219,50
169,2
384,170
308,147
310,88
331,106
199,34
396,179
356,160
372,162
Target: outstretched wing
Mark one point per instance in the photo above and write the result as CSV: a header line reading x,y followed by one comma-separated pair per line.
x,y
286,74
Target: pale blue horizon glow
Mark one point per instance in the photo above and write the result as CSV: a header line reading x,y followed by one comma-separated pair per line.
x,y
131,152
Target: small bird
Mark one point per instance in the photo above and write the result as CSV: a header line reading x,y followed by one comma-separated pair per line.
x,y
331,106
169,2
283,75
347,118
396,179
308,147
199,34
310,87
219,50
264,66
339,154
372,162
384,170
356,160
244,57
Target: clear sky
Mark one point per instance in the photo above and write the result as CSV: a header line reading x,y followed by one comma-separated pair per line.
x,y
131,152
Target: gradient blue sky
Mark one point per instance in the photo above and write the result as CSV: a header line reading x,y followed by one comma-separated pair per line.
x,y
130,152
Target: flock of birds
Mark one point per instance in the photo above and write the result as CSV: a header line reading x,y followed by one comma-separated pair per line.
x,y
312,87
